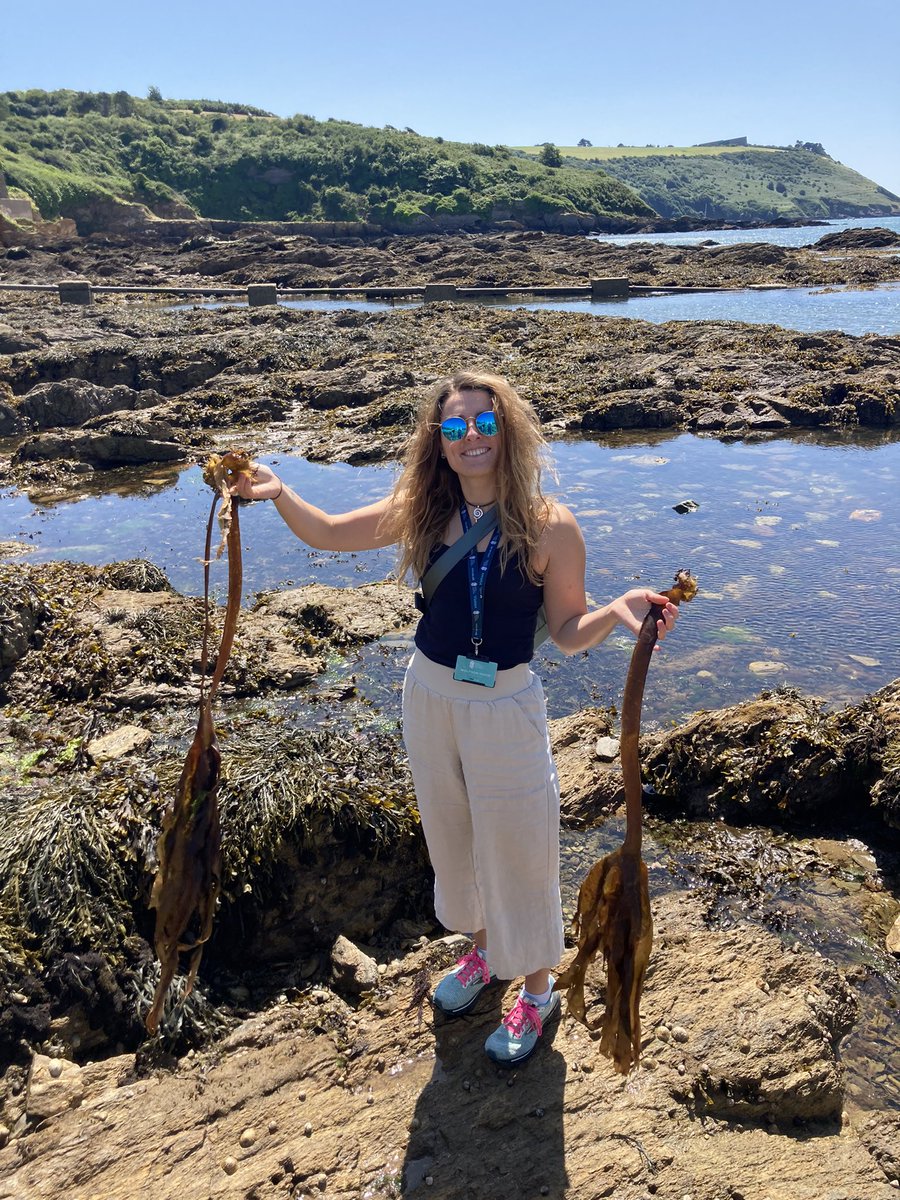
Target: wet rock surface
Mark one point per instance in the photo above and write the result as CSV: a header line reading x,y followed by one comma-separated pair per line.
x,y
372,1100
475,260
118,384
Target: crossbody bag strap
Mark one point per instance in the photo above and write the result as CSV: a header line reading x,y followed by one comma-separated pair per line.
x,y
451,556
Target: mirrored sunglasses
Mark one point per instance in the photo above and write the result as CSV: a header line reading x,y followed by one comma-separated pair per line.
x,y
454,429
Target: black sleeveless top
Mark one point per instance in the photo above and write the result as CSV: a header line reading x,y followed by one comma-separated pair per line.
x,y
511,604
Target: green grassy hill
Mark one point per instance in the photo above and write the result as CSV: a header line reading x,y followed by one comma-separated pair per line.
x,y
736,183
67,150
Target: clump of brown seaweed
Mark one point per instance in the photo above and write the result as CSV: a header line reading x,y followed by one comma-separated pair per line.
x,y
190,850
613,912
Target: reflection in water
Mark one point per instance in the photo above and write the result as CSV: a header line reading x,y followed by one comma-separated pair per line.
x,y
791,543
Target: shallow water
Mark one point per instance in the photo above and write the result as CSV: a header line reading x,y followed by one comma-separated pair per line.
x,y
793,543
856,311
799,235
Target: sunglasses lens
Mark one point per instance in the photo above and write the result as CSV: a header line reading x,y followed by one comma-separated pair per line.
x,y
453,429
486,423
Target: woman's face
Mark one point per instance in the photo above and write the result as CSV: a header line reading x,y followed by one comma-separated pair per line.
x,y
475,457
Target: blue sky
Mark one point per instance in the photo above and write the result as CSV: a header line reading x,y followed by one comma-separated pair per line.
x,y
516,73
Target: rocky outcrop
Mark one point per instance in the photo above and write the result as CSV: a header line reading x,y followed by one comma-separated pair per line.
x,y
314,1094
73,402
858,239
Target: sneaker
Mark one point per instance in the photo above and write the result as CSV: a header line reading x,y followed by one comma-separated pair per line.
x,y
458,991
517,1037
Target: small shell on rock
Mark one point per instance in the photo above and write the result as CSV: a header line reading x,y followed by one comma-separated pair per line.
x,y
744,1046
680,1034
229,1166
413,1124
272,1127
662,1034
248,1137
307,1130
429,1180
55,1069
649,1064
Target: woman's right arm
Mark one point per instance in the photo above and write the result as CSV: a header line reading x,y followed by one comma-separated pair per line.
x,y
364,528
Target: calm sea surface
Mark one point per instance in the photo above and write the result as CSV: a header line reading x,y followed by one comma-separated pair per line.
x,y
794,545
799,235
868,310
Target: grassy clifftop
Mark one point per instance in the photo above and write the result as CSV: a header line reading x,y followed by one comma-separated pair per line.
x,y
736,183
67,149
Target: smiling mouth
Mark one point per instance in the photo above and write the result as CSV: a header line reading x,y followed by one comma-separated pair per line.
x,y
476,453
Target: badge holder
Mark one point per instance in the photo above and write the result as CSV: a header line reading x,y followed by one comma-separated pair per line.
x,y
475,670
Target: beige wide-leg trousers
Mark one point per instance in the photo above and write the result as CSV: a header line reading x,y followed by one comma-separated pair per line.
x,y
488,794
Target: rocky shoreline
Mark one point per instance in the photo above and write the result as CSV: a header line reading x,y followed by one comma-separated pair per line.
x,y
301,1065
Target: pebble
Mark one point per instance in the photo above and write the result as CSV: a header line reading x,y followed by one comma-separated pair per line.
x,y
229,1166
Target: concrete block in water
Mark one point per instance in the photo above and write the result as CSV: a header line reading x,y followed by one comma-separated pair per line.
x,y
610,285
75,291
440,291
262,293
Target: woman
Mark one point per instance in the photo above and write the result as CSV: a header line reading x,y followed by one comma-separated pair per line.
x,y
474,719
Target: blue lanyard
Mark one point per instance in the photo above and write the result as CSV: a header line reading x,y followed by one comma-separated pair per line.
x,y
478,576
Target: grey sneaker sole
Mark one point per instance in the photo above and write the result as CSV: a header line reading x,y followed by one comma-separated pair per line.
x,y
516,1062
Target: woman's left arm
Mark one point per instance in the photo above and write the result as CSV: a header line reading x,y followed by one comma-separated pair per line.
x,y
571,625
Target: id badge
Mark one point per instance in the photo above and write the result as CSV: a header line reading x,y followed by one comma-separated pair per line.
x,y
475,670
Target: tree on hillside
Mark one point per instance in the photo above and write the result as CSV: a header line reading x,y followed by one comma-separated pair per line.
x,y
585,142
154,95
123,104
550,155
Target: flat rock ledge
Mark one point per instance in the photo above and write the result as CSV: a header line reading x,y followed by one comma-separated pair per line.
x,y
738,1095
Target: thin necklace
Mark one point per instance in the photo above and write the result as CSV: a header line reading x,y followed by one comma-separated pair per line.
x,y
478,509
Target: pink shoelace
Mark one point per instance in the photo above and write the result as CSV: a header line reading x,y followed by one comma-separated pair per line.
x,y
472,964
521,1016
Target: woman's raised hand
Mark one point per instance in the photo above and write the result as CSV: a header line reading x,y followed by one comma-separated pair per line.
x,y
261,484
633,606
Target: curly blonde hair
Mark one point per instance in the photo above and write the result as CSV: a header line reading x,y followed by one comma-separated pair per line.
x,y
428,492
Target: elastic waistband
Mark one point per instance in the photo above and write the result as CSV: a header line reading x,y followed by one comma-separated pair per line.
x,y
439,679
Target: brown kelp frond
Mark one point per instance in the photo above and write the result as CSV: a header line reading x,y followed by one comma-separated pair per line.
x,y
187,883
613,913
613,916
